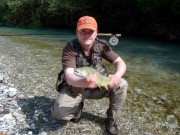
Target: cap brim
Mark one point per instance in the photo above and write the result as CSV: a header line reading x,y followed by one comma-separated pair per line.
x,y
86,27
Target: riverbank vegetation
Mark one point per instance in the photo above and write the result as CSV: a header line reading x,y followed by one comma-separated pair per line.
x,y
140,17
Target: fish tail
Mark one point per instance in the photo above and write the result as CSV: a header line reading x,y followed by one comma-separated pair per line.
x,y
106,87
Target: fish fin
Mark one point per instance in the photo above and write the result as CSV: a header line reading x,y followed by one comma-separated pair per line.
x,y
99,86
106,87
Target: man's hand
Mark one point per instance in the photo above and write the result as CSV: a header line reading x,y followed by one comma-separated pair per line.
x,y
115,80
91,81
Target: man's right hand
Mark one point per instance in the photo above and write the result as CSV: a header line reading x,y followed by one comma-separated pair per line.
x,y
91,81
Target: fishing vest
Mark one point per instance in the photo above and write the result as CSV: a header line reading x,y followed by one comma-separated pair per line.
x,y
95,58
94,61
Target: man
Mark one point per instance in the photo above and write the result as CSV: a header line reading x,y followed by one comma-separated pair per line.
x,y
87,50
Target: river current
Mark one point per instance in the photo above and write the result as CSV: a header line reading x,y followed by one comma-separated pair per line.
x,y
153,66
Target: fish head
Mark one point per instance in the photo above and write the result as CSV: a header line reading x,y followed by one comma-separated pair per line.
x,y
81,72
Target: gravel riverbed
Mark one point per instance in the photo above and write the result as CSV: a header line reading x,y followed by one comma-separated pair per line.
x,y
27,91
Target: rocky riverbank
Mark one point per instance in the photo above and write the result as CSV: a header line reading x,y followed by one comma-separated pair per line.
x,y
27,91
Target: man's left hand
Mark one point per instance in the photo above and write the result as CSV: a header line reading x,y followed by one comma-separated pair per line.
x,y
115,80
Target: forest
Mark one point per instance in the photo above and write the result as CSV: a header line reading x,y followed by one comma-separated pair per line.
x,y
159,18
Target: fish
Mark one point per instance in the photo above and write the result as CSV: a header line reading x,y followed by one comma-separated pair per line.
x,y
84,72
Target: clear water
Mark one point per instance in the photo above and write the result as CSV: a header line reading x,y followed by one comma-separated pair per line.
x,y
152,66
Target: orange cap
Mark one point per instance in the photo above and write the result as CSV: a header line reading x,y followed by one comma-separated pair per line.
x,y
86,22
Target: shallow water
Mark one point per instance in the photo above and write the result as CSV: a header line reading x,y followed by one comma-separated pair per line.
x,y
152,66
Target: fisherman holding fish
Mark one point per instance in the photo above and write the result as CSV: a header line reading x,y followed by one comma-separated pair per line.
x,y
84,76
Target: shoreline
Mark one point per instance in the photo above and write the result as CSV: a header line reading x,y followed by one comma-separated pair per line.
x,y
33,71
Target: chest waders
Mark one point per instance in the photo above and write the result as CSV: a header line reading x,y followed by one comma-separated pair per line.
x,y
94,60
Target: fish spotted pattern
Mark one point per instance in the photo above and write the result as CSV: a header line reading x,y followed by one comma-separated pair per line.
x,y
84,72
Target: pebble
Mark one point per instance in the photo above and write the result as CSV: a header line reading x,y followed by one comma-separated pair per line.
x,y
147,133
1,78
27,91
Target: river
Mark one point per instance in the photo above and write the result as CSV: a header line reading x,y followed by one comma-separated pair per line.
x,y
153,66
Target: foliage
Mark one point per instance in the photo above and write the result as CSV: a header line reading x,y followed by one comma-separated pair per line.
x,y
176,7
112,15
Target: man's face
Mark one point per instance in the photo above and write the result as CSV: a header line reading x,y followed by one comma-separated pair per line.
x,y
86,37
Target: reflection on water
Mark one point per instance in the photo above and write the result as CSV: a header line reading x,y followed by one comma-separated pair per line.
x,y
152,66
51,35
165,55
